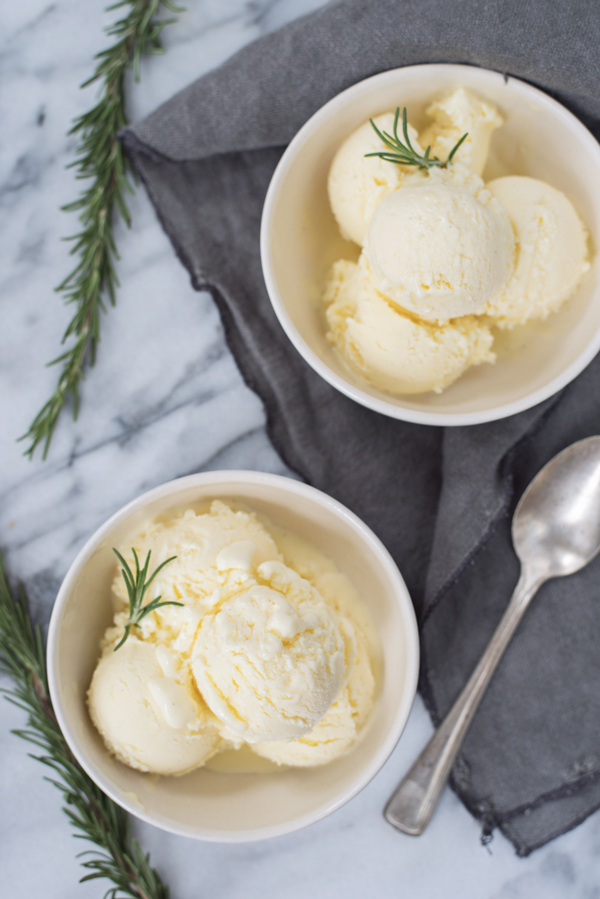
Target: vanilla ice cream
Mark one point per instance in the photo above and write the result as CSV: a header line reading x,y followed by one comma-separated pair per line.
x,y
338,729
197,540
551,250
438,251
166,731
461,113
357,183
255,652
446,258
342,724
271,661
390,348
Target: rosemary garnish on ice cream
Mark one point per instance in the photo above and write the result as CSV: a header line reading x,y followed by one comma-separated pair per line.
x,y
136,590
404,153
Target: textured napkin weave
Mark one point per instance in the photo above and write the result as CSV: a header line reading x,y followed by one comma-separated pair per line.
x,y
440,500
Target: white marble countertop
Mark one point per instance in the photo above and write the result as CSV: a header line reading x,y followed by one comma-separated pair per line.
x,y
165,399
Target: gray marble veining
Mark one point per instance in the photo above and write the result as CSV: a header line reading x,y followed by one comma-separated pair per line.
x,y
166,399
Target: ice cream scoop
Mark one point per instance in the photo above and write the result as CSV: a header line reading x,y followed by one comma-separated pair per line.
x,y
149,721
551,250
337,730
388,347
462,112
438,251
270,662
201,543
358,183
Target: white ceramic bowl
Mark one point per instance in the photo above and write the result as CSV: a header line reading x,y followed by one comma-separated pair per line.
x,y
300,240
234,807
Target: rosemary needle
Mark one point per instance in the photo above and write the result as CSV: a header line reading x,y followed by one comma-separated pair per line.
x,y
404,153
137,586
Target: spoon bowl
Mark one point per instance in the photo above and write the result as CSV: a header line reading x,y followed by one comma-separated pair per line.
x,y
556,525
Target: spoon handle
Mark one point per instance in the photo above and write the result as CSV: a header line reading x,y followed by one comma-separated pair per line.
x,y
410,808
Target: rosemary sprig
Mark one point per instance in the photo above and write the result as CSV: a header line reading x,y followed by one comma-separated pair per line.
x,y
136,590
100,159
118,857
404,153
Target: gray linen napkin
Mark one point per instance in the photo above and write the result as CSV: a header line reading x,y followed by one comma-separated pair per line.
x,y
440,500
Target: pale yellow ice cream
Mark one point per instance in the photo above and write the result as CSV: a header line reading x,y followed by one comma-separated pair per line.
x,y
459,113
196,540
256,652
446,258
357,183
133,723
338,729
438,250
271,661
551,250
388,347
342,725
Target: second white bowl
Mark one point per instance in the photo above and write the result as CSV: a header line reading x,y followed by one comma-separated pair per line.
x,y
300,240
234,807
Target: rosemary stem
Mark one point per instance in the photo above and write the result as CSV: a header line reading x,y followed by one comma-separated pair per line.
x,y
100,161
404,153
94,817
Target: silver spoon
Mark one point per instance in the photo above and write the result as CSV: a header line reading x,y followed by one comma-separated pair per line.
x,y
555,532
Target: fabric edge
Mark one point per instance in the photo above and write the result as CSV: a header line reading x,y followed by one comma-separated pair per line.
x,y
132,146
228,327
489,818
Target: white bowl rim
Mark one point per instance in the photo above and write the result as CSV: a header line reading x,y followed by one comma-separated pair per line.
x,y
400,592
417,416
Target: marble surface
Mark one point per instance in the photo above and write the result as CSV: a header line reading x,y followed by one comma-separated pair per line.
x,y
165,400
